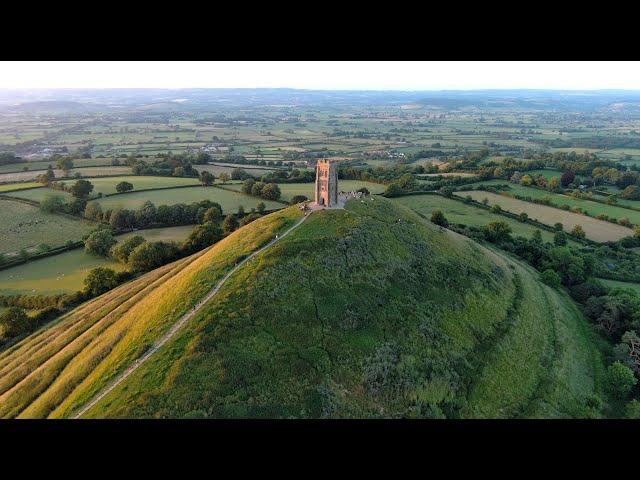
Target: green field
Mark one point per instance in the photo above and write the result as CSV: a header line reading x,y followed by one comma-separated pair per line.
x,y
65,272
290,190
107,185
23,226
12,187
545,172
84,172
594,208
461,213
230,201
39,194
616,284
595,229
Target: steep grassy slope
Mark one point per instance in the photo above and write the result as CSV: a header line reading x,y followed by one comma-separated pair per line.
x,y
370,312
364,312
60,367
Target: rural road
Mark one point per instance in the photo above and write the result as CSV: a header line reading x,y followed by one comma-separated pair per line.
x,y
179,324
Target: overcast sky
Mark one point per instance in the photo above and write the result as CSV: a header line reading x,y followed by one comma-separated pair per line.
x,y
323,75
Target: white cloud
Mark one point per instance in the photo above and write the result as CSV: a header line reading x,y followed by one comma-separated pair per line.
x,y
323,75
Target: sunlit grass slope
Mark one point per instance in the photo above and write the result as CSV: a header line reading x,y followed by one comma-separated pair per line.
x,y
55,370
366,312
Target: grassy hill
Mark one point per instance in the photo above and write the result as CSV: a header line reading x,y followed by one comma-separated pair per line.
x,y
364,312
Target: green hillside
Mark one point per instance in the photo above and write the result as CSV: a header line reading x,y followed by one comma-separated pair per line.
x,y
364,312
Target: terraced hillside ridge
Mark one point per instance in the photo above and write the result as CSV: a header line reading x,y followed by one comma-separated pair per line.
x,y
365,312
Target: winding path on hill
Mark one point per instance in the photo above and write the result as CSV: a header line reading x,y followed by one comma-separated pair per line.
x,y
180,323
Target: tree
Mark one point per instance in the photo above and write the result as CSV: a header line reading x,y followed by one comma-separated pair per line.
x,y
122,250
99,242
393,190
65,164
559,239
578,232
146,214
570,267
150,255
247,186
207,178
224,177
239,174
230,224
202,236
438,218
100,280
536,236
271,191
632,410
619,380
213,214
567,178
14,321
241,211
496,208
523,217
121,219
632,192
297,199
81,189
261,207
553,184
93,211
47,177
497,232
52,203
256,188
551,278
124,187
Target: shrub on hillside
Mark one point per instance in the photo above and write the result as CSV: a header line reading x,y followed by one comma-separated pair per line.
x,y
619,380
438,218
13,322
551,278
203,236
100,280
229,225
298,199
150,255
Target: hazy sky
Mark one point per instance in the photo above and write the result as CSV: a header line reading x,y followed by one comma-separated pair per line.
x,y
323,75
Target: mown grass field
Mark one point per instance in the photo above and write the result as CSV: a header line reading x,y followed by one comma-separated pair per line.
x,y
107,185
23,226
593,208
461,213
85,172
11,187
595,229
290,190
65,272
230,201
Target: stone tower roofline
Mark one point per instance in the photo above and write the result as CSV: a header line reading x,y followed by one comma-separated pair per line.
x,y
326,188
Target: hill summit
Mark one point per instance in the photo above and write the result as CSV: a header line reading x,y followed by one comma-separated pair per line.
x,y
370,311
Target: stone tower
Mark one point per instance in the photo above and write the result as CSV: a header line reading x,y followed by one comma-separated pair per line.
x,y
326,183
